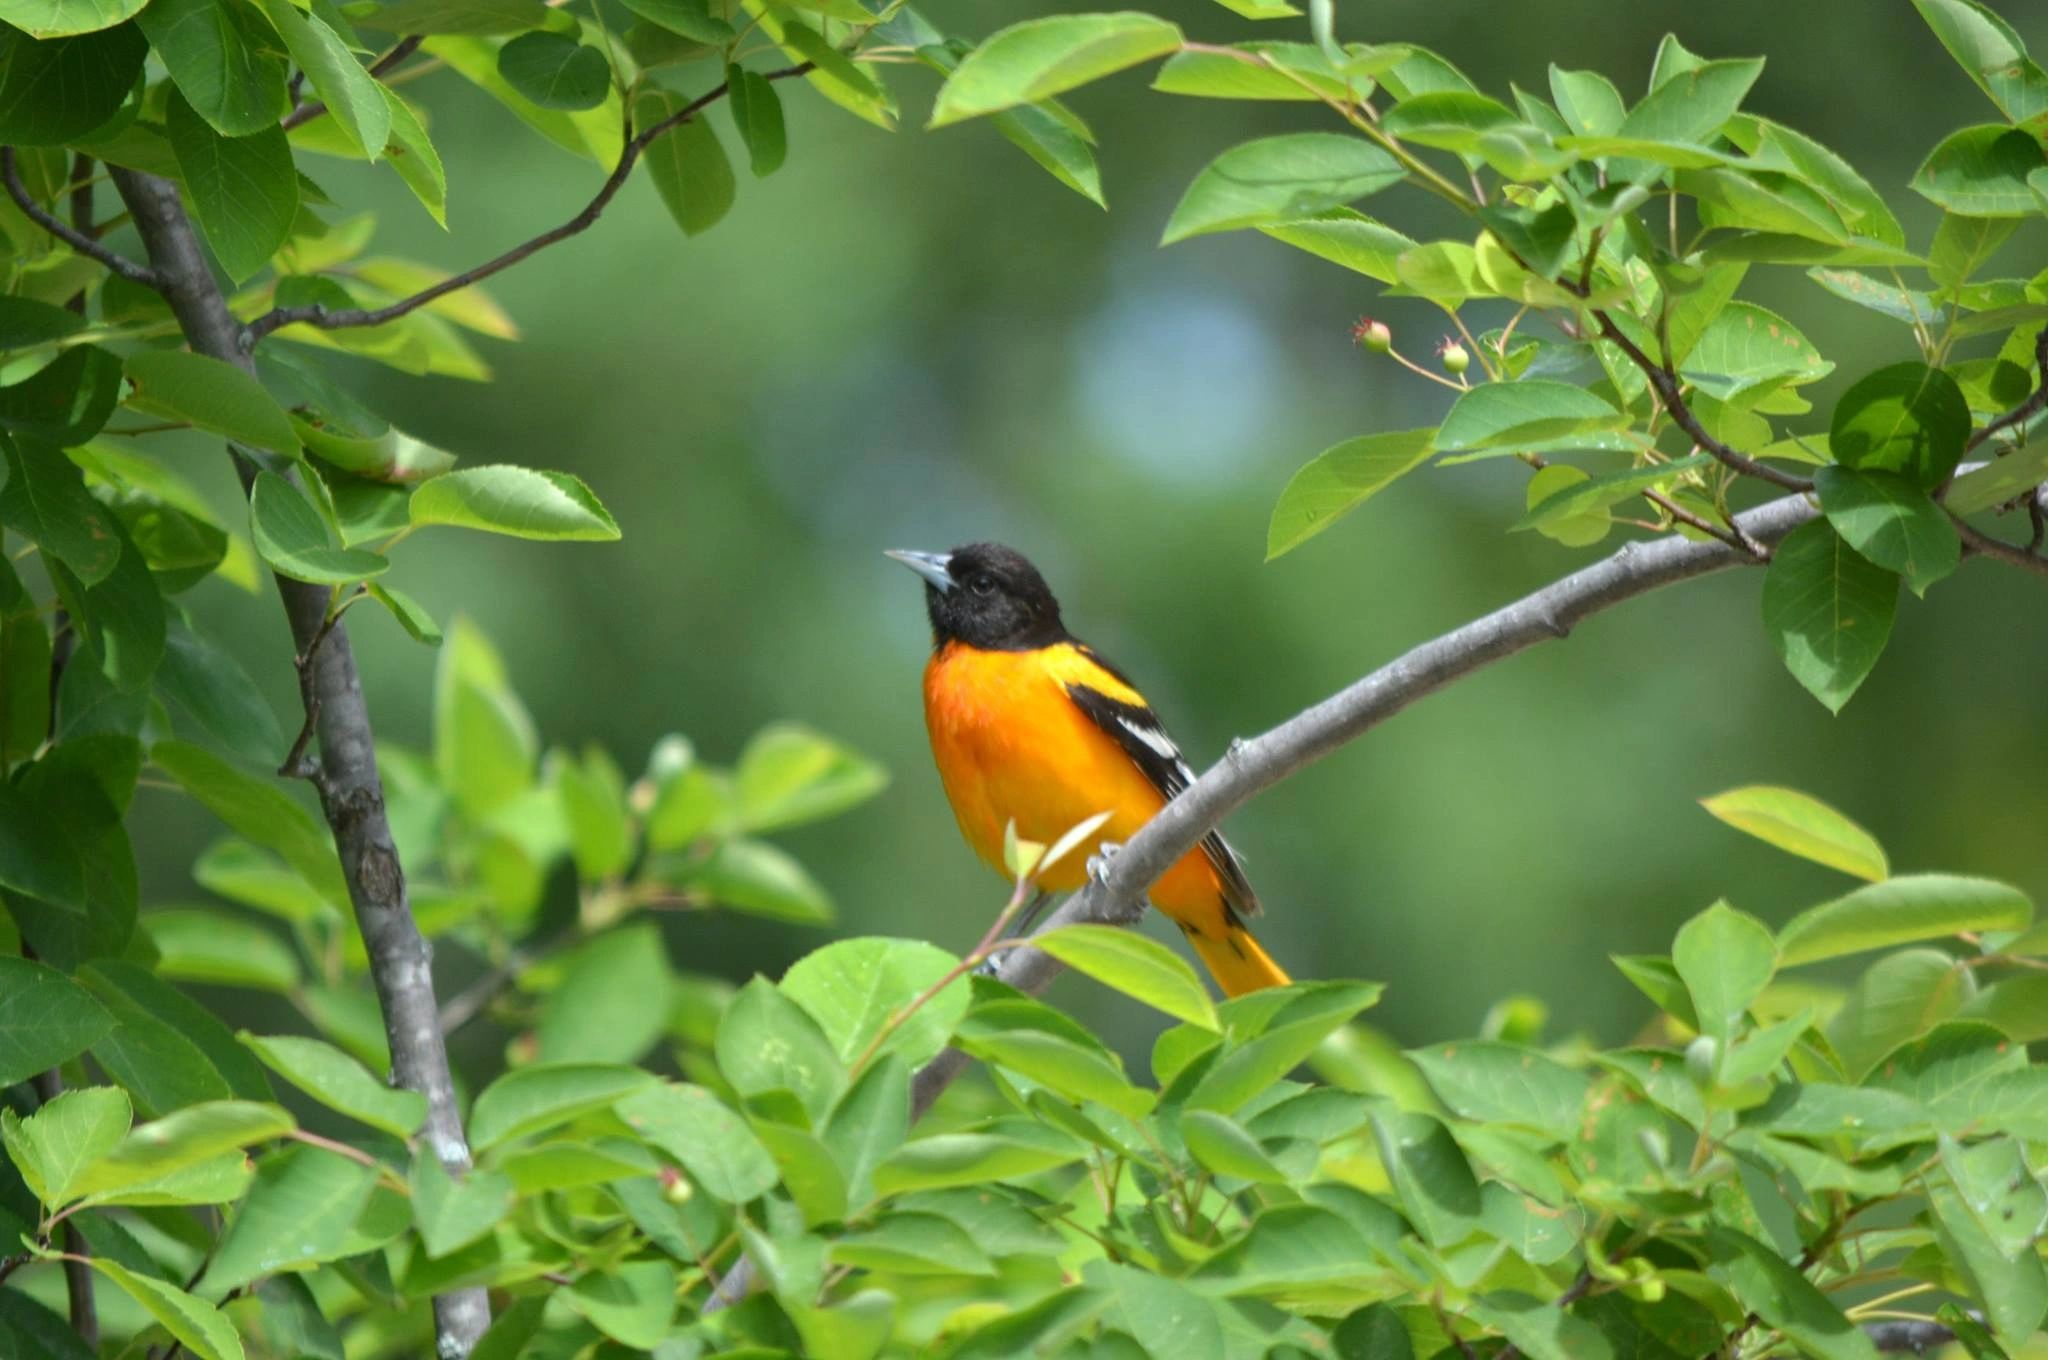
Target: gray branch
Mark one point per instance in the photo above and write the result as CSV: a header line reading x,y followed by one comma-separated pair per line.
x,y
351,793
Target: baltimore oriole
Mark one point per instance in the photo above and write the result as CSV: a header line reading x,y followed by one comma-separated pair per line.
x,y
1029,724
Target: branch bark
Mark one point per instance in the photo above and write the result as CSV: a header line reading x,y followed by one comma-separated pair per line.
x,y
10,172
351,793
629,155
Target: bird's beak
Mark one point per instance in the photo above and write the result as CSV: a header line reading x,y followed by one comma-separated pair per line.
x,y
931,566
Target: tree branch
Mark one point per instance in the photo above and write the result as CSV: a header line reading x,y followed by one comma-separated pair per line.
x,y
63,231
1671,394
351,793
316,315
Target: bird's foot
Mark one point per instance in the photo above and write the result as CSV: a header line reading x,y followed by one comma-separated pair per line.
x,y
1098,863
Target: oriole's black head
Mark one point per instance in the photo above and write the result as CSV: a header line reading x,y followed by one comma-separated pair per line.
x,y
986,596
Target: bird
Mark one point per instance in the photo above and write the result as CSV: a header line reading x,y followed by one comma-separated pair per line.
x,y
1031,726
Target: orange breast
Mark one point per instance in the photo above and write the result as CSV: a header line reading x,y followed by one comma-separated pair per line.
x,y
1011,745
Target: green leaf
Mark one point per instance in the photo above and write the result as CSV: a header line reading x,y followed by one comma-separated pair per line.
x,y
1541,1329
1292,1248
593,798
1534,411
789,774
754,876
1291,71
1900,911
1502,1083
45,1017
689,18
612,1004
201,1327
913,1244
291,536
220,56
300,1210
1988,49
521,502
1039,58
456,16
196,945
1137,967
120,620
1745,348
242,189
1899,998
24,683
259,810
2017,1006
1828,610
62,18
183,1139
1596,494
834,75
2013,1290
1887,299
69,1133
452,1213
1297,1020
555,71
411,615
209,395
701,1132
44,498
1801,825
200,681
1693,106
339,1082
1004,1149
166,1049
1892,522
1590,104
95,71
484,742
1982,172
1769,1286
413,156
1726,959
853,987
1340,478
352,95
1347,237
757,114
67,400
1275,179
1037,1042
1961,247
632,1304
1223,1146
1908,418
1999,1190
1435,1183
766,1042
688,165
527,1100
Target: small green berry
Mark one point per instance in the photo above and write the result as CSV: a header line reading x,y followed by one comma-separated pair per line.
x,y
1374,335
1455,359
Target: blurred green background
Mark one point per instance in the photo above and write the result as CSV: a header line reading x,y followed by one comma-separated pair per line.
x,y
920,339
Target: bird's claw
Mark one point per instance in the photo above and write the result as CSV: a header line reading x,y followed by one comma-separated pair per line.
x,y
1098,863
990,967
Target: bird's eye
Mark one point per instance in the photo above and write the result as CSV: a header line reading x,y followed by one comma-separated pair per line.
x,y
983,584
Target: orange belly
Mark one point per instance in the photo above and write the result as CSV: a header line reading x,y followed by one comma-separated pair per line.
x,y
1011,746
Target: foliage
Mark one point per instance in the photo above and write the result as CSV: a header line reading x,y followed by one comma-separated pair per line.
x,y
1775,1162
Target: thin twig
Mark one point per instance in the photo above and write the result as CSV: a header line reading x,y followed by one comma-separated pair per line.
x,y
1671,394
85,1318
1734,538
316,315
63,231
472,1000
306,113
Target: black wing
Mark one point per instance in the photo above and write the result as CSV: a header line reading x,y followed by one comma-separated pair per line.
x,y
1137,729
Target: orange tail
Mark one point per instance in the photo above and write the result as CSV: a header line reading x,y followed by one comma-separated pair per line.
x,y
1236,961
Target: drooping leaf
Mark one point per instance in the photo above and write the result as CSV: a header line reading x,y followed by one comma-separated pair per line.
x,y
339,1082
1908,419
45,1018
1902,910
1802,825
1340,479
1892,522
225,61
290,535
96,71
1275,179
1039,58
1982,172
555,71
209,395
1828,610
521,502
